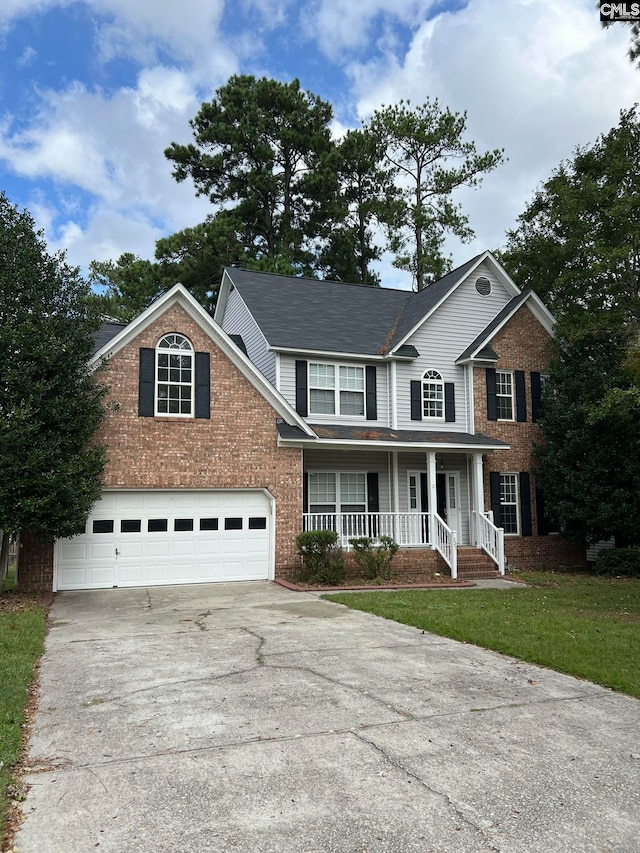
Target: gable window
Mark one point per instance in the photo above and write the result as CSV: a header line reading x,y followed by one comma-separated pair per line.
x,y
504,395
337,492
174,376
336,389
432,395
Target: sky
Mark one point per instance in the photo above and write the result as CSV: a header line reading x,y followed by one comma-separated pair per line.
x,y
93,91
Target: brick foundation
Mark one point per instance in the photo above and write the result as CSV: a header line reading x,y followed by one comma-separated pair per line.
x,y
409,564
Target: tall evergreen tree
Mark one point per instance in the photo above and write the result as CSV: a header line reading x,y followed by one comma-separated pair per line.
x,y
429,159
50,403
259,148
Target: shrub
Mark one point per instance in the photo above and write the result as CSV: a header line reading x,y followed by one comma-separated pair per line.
x,y
623,562
322,558
374,556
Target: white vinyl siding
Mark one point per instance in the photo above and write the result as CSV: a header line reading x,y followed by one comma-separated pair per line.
x,y
444,336
238,320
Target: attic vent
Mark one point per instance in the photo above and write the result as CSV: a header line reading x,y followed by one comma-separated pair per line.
x,y
483,286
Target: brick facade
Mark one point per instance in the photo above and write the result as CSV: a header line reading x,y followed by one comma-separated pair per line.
x,y
235,449
522,344
35,563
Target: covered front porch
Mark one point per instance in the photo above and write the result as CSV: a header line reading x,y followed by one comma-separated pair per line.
x,y
422,497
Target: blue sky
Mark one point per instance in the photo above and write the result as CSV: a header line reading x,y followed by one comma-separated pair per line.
x,y
93,91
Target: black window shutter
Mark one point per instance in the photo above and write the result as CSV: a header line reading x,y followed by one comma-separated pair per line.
x,y
373,499
525,503
449,402
372,399
536,397
301,388
521,397
543,521
305,492
494,491
146,382
203,386
441,495
492,403
416,400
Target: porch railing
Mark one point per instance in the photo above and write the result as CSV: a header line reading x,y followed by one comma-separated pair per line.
x,y
407,528
445,544
490,538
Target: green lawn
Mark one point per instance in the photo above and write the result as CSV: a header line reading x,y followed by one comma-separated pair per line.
x,y
22,630
582,625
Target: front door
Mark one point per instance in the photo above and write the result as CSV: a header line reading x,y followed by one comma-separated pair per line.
x,y
447,494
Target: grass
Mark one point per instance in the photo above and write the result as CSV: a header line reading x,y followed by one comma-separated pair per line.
x,y
577,624
22,630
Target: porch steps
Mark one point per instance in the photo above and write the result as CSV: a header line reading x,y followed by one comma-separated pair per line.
x,y
474,563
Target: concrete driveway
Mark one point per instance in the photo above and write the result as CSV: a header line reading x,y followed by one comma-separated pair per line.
x,y
245,717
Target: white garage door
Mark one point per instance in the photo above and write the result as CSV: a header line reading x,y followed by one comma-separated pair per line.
x,y
168,537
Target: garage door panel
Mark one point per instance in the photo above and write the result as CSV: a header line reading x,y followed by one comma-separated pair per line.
x,y
176,537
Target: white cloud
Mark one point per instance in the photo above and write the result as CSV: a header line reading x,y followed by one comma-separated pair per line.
x,y
537,78
343,25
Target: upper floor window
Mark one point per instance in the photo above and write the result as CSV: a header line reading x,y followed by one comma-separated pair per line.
x,y
504,395
174,376
336,389
432,395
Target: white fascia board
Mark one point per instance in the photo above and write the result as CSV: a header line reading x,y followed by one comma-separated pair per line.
x,y
223,295
501,273
179,295
341,356
345,444
539,311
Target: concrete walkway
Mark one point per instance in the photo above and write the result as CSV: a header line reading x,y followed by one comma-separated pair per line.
x,y
245,717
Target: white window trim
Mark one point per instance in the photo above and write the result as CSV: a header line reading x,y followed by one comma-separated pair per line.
x,y
511,396
190,352
516,477
424,380
336,391
338,510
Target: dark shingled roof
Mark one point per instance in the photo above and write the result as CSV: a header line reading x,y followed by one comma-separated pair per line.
x,y
331,316
340,432
105,333
486,334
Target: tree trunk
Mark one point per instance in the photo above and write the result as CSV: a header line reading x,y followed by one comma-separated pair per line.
x,y
4,556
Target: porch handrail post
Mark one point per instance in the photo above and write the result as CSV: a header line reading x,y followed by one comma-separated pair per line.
x,y
501,550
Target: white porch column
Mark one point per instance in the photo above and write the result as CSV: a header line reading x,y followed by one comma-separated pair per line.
x,y
478,489
433,497
397,534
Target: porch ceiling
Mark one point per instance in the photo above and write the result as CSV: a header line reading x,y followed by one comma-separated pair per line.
x,y
369,438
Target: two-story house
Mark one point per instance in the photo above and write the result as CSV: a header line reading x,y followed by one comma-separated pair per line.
x,y
308,404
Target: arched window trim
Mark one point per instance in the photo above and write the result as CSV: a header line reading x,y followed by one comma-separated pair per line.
x,y
175,383
432,395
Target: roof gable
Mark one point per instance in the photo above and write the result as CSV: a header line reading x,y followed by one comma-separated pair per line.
x,y
480,348
178,295
423,304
